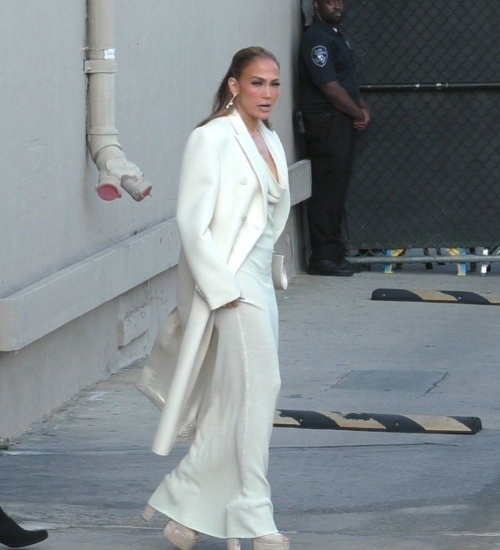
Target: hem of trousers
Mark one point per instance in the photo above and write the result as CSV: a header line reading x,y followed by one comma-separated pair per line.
x,y
217,534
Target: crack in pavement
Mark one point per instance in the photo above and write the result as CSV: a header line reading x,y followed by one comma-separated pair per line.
x,y
436,383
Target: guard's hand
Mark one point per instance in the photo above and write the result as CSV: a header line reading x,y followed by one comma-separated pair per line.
x,y
363,124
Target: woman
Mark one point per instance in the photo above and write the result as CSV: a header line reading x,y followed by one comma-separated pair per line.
x,y
214,367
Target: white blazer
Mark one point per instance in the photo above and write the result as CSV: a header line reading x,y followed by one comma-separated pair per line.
x,y
221,213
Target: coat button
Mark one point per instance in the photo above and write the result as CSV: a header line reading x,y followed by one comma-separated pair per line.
x,y
244,219
243,181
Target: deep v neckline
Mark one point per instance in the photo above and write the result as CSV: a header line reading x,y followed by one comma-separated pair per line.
x,y
275,164
276,179
275,176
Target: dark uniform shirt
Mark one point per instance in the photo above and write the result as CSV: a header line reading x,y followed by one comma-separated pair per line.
x,y
325,56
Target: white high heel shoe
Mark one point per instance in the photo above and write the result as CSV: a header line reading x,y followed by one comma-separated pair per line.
x,y
181,536
268,542
272,542
148,513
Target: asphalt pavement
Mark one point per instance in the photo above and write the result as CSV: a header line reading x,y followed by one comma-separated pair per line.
x,y
86,471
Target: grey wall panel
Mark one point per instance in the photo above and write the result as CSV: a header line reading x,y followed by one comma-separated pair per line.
x,y
42,157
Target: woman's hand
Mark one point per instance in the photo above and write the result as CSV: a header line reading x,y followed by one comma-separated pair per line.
x,y
234,303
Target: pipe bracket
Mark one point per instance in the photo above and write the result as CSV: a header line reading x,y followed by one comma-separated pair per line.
x,y
96,131
96,53
95,66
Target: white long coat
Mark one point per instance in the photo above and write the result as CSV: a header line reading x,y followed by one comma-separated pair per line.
x,y
221,213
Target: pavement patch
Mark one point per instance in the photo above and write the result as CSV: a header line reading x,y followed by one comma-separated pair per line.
x,y
416,381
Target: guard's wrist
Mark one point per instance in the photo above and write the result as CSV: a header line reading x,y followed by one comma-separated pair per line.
x,y
361,116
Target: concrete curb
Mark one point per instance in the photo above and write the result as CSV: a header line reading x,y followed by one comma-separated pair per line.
x,y
436,296
372,422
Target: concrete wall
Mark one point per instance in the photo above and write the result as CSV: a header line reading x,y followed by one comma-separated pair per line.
x,y
83,283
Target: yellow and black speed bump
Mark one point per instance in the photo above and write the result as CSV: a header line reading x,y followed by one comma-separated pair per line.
x,y
371,422
435,296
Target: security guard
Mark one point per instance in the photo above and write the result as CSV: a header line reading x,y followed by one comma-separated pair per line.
x,y
332,111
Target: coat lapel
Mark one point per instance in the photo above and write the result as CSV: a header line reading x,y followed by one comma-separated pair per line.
x,y
251,152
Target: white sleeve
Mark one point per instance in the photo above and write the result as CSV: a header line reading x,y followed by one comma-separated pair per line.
x,y
198,191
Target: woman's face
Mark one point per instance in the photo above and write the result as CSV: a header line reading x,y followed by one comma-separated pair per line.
x,y
257,89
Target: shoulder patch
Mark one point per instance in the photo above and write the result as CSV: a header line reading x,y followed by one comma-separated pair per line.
x,y
319,55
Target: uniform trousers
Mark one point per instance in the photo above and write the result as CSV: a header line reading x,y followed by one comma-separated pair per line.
x,y
330,142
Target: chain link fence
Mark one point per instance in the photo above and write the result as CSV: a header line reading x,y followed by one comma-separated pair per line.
x,y
426,171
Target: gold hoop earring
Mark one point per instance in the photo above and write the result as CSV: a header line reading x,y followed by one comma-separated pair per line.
x,y
231,103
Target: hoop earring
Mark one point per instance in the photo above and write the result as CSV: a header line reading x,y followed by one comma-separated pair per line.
x,y
231,103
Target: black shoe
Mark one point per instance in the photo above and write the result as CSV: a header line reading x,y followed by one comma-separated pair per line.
x,y
332,268
14,536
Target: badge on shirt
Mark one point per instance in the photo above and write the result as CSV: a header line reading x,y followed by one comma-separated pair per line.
x,y
319,55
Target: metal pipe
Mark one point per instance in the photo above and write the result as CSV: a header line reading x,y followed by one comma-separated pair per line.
x,y
423,259
115,171
432,87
